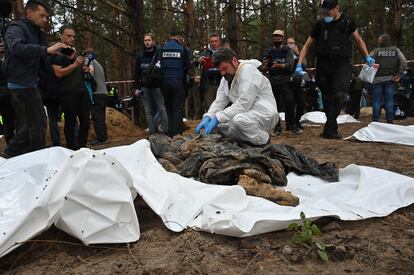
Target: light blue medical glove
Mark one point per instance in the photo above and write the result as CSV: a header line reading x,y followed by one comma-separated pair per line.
x,y
211,125
299,70
202,125
369,60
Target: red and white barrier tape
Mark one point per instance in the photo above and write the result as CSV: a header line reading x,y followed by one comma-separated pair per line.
x,y
308,69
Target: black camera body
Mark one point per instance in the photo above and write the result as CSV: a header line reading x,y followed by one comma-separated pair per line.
x,y
269,59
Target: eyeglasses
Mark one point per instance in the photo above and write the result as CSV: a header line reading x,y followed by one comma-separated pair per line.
x,y
291,43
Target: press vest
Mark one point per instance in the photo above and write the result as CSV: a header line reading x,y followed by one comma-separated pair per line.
x,y
388,60
279,55
334,40
172,60
146,59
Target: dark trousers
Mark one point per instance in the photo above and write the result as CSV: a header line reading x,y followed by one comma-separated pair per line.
x,y
53,112
174,102
75,106
285,101
7,114
333,78
299,100
98,112
355,103
30,136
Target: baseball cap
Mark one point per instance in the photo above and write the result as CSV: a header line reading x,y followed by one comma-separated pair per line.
x,y
327,5
279,32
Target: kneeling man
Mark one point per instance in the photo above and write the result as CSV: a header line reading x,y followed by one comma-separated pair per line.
x,y
244,108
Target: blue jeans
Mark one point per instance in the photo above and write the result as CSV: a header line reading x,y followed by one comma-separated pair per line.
x,y
384,90
153,101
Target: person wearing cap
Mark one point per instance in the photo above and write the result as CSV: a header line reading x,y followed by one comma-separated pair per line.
x,y
278,61
245,108
332,36
100,99
26,50
175,64
392,63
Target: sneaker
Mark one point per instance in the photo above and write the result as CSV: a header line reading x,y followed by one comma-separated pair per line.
x,y
300,126
97,142
331,136
296,131
278,131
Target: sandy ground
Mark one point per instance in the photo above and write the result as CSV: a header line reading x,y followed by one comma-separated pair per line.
x,y
373,246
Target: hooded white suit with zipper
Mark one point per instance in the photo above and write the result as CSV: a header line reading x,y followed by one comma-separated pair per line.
x,y
253,110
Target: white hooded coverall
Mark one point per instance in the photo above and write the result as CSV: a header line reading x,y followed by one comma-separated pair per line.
x,y
253,110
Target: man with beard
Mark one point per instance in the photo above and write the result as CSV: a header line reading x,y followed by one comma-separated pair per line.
x,y
278,61
152,98
253,110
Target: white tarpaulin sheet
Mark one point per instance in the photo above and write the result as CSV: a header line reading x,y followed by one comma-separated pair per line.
x,y
384,132
320,117
89,195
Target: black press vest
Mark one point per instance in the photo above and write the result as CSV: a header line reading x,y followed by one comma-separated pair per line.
x,y
334,41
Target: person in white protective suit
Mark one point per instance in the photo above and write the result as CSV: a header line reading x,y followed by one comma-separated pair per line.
x,y
253,110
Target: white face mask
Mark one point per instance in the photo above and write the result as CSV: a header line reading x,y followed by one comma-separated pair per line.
x,y
328,19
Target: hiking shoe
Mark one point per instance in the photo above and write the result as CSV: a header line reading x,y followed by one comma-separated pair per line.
x,y
97,142
331,136
5,155
278,131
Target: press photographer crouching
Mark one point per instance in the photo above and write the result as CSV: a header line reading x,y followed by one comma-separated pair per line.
x,y
26,48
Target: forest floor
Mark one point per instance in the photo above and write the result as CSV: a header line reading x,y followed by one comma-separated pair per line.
x,y
372,246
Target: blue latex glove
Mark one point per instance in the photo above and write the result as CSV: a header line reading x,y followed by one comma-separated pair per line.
x,y
299,70
369,60
211,125
202,125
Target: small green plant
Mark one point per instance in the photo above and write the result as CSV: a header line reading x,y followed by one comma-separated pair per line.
x,y
306,234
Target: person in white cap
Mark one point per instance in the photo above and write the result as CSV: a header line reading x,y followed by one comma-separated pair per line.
x,y
333,48
278,61
253,110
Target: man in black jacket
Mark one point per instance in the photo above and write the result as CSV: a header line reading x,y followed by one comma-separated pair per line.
x,y
332,36
26,47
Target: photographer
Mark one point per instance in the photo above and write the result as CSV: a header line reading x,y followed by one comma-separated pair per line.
x,y
278,61
25,49
72,94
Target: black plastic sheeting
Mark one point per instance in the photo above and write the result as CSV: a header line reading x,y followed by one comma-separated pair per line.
x,y
213,159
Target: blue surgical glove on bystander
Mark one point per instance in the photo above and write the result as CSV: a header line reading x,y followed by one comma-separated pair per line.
x,y
369,60
202,125
299,70
211,125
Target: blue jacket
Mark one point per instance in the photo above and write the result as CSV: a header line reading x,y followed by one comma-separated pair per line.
x,y
175,62
25,47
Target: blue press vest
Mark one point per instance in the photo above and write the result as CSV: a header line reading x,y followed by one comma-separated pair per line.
x,y
172,60
278,56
